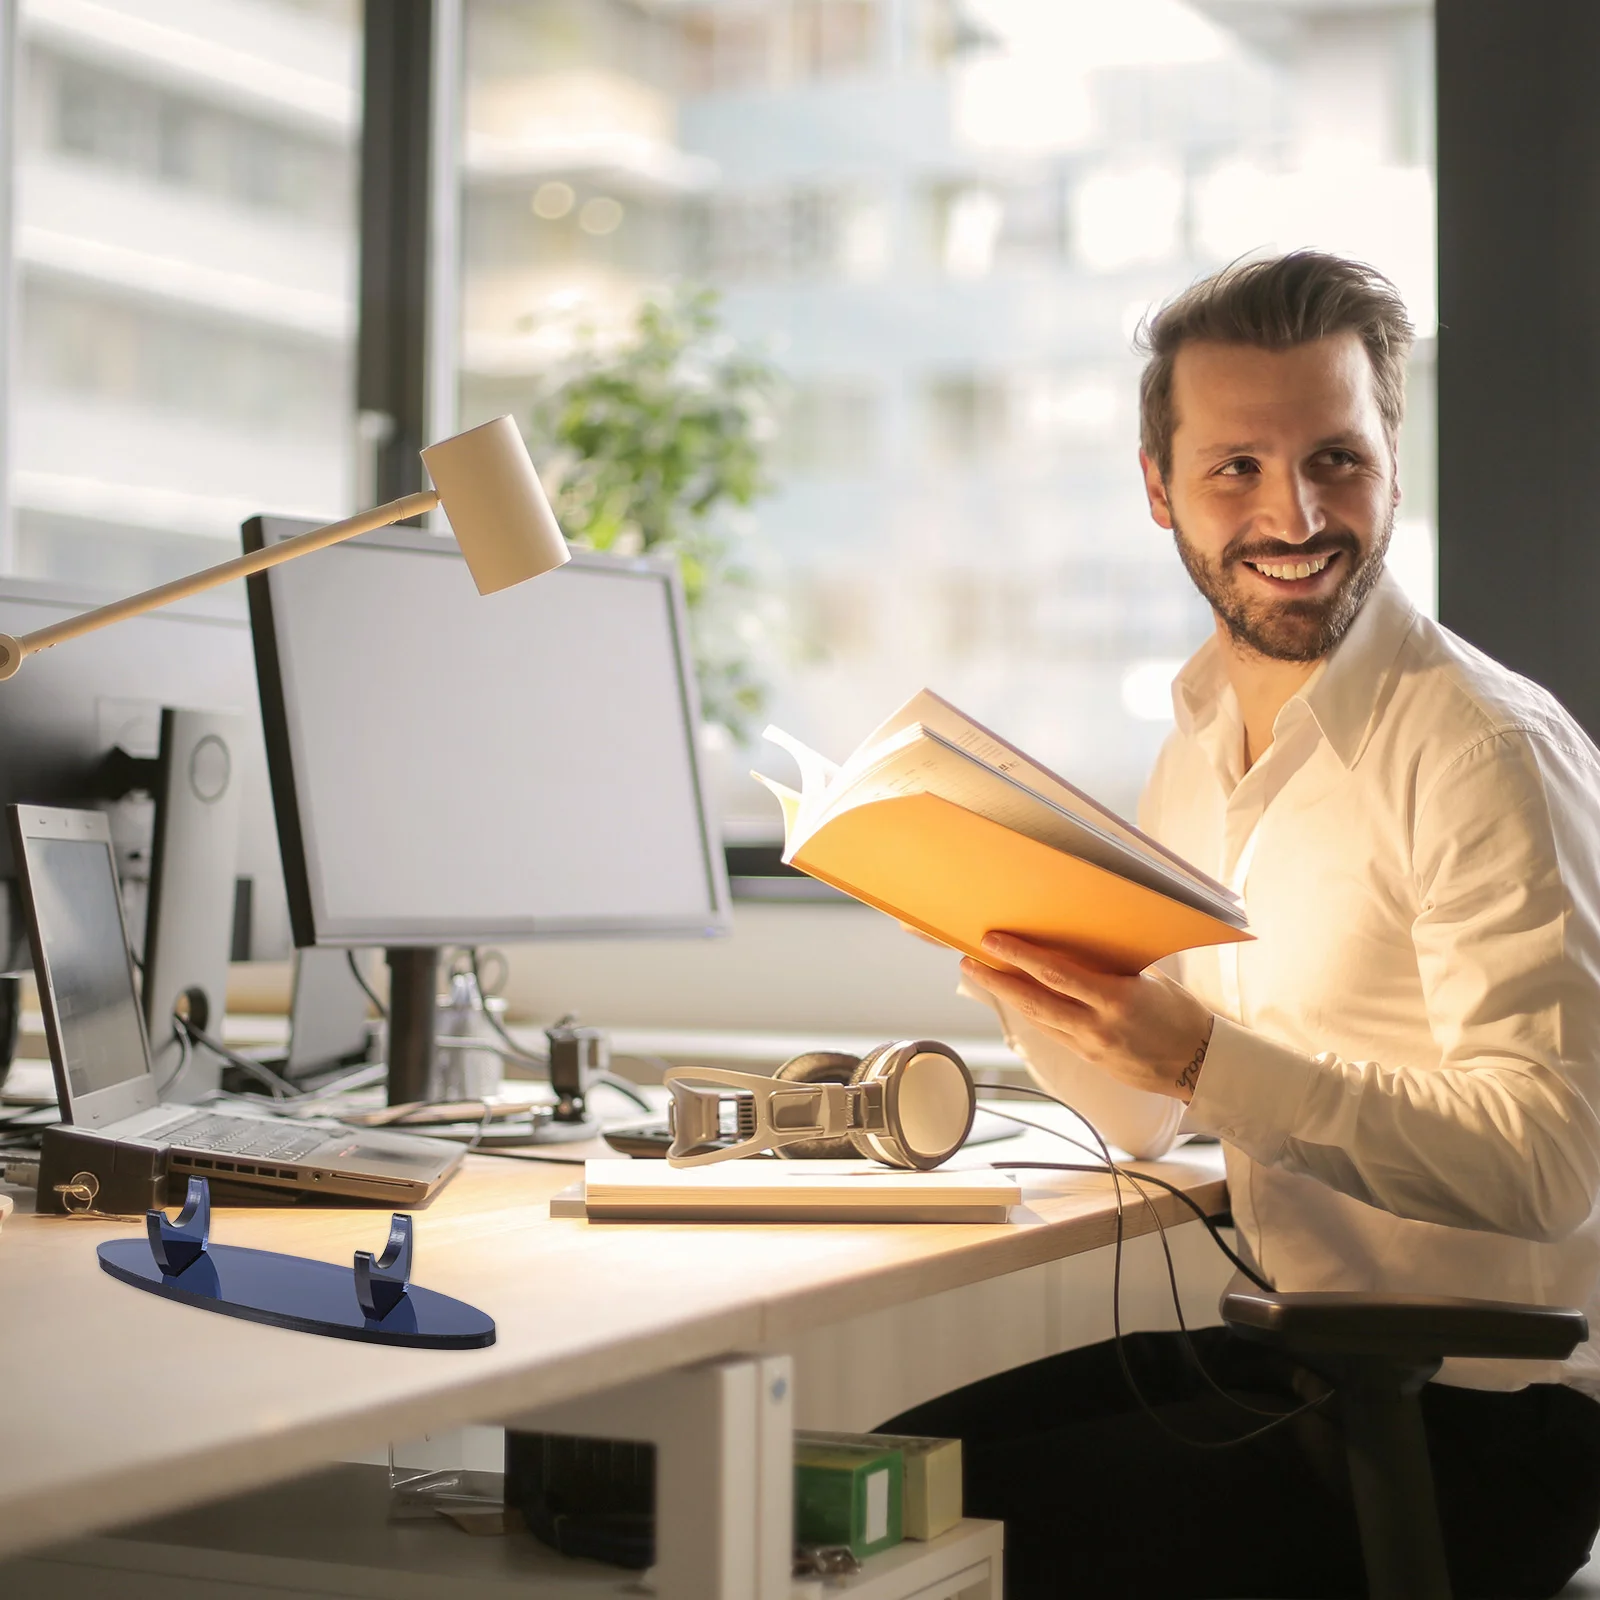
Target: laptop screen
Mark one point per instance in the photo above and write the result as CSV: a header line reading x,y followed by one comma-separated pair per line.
x,y
74,891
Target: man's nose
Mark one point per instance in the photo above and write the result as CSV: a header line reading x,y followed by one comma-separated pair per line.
x,y
1290,508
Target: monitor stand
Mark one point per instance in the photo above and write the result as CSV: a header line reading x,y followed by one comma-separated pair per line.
x,y
10,1018
413,1014
413,1017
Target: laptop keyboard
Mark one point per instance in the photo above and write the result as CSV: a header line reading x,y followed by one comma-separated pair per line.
x,y
246,1136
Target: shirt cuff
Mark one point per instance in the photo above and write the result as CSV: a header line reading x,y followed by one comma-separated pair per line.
x,y
1249,1092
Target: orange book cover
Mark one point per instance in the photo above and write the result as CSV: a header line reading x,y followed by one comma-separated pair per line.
x,y
881,830
957,876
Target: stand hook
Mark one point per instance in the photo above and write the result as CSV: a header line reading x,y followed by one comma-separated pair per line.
x,y
381,1284
179,1244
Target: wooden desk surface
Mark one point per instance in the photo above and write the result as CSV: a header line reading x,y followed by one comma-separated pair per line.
x,y
116,1404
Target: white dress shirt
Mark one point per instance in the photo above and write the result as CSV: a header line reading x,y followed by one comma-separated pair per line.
x,y
1405,1066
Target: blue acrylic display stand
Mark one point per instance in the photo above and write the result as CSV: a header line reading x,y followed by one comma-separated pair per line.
x,y
373,1300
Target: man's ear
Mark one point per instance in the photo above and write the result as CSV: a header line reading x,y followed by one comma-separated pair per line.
x,y
1155,490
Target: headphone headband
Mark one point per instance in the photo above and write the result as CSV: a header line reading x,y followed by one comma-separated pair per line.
x,y
910,1105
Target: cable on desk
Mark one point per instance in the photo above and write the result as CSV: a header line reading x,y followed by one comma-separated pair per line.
x,y
184,1053
366,988
494,1021
1118,1174
21,1172
630,1091
280,1088
523,1154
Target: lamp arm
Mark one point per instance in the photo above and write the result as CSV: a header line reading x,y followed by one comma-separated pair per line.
x,y
13,652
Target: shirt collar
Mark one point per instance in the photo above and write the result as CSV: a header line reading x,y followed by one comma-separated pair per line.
x,y
1342,696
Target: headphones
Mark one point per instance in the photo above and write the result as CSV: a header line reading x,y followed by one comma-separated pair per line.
x,y
907,1104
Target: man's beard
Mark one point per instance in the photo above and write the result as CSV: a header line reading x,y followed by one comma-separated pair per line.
x,y
1287,630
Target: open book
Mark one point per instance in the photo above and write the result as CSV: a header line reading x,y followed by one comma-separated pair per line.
x,y
941,823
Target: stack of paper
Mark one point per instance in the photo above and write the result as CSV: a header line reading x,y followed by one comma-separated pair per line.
x,y
792,1191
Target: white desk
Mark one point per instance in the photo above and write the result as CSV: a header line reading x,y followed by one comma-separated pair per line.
x,y
118,1405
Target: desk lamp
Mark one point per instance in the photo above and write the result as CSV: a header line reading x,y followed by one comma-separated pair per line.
x,y
483,479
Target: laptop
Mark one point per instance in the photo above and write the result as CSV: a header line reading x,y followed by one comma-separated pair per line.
x,y
101,1056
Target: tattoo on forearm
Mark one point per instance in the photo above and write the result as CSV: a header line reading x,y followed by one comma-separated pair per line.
x,y
1190,1076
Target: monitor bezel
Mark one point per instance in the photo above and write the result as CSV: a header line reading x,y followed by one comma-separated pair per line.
x,y
306,927
100,1107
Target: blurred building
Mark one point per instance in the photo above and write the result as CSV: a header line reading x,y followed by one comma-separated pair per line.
x,y
184,265
942,218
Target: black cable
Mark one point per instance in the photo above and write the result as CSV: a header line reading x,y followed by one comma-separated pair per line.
x,y
494,1021
1144,1177
483,1127
485,988
280,1088
519,1154
613,1081
1117,1174
184,1053
1161,1183
366,988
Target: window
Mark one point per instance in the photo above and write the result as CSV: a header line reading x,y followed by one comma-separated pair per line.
x,y
184,262
944,220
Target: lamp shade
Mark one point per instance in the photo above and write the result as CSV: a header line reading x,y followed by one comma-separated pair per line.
x,y
496,505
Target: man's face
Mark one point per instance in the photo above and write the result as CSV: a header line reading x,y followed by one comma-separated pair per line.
x,y
1282,489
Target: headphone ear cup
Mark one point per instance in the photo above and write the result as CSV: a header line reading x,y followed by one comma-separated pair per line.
x,y
929,1099
820,1066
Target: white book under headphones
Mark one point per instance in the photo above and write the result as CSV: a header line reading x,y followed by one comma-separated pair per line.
x,y
624,1190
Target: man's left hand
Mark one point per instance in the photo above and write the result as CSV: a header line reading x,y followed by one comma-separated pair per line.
x,y
1146,1031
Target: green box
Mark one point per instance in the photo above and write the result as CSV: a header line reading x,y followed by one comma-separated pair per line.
x,y
848,1494
931,1494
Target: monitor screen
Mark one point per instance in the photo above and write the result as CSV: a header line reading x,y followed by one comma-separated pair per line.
x,y
63,715
74,891
450,768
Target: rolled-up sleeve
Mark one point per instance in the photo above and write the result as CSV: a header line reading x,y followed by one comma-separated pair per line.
x,y
1501,1132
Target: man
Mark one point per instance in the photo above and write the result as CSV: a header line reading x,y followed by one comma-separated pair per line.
x,y
1404,1068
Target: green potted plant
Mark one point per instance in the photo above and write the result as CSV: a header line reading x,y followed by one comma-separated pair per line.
x,y
657,444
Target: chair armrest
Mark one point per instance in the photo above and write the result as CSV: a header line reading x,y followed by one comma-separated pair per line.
x,y
1405,1328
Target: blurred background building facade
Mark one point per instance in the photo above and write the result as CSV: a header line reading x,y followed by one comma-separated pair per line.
x,y
941,219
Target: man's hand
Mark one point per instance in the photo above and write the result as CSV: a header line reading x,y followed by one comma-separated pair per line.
x,y
1146,1031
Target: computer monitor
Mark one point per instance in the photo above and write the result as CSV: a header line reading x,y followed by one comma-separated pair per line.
x,y
449,769
62,721
84,726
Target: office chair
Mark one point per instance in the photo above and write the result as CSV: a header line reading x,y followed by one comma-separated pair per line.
x,y
1379,1350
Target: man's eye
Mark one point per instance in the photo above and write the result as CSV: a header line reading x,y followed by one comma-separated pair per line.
x,y
1239,467
1340,458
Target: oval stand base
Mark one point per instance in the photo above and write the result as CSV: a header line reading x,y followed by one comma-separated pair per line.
x,y
294,1292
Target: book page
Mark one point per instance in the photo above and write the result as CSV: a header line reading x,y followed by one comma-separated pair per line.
x,y
916,760
938,715
791,803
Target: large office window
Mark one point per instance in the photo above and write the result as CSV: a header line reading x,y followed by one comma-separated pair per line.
x,y
183,201
943,219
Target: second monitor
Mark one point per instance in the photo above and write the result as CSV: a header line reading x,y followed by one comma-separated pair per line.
x,y
448,769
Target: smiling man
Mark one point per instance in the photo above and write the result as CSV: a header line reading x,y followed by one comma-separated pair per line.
x,y
1404,1067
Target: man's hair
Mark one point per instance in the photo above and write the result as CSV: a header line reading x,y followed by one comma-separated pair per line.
x,y
1274,305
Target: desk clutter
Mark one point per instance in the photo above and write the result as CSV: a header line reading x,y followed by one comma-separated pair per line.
x,y
372,1300
856,1495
